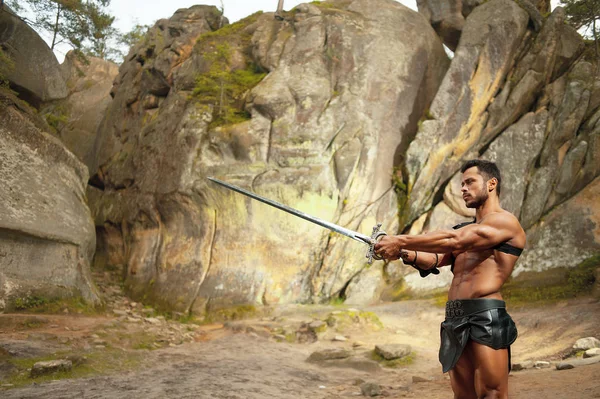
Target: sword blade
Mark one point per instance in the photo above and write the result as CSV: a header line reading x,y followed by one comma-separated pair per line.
x,y
323,223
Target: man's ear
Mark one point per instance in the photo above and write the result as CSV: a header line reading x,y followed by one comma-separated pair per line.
x,y
492,184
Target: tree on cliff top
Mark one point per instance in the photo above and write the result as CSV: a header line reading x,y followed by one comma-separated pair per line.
x,y
69,21
585,14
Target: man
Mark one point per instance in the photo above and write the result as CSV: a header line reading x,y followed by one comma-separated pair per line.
x,y
477,332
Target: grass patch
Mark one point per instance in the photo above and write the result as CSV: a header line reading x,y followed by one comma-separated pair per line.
x,y
33,322
552,285
395,363
40,304
336,301
342,320
97,363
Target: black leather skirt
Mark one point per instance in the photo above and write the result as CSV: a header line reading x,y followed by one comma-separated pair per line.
x,y
483,320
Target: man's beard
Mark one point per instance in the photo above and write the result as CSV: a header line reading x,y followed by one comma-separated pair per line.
x,y
478,200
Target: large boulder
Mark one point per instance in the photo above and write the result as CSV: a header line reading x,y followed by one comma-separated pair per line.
x,y
47,236
491,38
566,236
36,74
348,82
76,118
448,17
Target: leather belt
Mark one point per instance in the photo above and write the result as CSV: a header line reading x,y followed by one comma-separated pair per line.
x,y
467,307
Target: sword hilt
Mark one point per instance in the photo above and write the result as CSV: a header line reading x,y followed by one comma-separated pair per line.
x,y
375,236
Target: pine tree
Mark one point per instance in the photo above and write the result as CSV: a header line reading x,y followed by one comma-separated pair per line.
x,y
102,34
584,14
73,22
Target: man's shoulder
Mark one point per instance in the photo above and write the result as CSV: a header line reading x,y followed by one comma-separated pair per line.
x,y
502,219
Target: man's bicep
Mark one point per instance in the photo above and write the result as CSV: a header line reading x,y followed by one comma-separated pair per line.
x,y
485,235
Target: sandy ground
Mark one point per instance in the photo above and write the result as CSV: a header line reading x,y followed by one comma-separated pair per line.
x,y
223,363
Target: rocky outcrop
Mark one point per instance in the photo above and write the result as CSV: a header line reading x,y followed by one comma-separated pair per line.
x,y
76,118
491,39
35,74
448,17
47,237
566,236
346,86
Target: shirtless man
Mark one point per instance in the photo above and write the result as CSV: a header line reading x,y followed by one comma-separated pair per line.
x,y
477,332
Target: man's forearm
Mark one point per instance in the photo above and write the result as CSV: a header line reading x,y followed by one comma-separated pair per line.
x,y
442,241
423,260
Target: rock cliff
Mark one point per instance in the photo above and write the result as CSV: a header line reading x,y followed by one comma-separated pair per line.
x,y
345,84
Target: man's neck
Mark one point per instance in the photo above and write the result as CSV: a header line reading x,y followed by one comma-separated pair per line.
x,y
491,205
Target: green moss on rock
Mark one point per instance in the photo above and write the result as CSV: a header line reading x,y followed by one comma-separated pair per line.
x,y
222,86
395,363
552,285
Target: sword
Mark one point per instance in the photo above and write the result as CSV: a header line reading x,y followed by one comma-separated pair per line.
x,y
370,241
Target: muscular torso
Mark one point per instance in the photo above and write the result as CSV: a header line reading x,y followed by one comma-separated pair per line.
x,y
481,274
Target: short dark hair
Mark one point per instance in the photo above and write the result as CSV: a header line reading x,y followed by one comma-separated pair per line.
x,y
486,169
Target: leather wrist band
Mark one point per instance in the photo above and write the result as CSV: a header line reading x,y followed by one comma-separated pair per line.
x,y
437,259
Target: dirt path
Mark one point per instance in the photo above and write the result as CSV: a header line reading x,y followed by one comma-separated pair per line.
x,y
220,363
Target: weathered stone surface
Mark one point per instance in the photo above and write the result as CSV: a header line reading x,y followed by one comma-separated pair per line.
x,y
392,351
36,73
329,354
490,39
566,236
50,367
572,363
366,287
532,71
586,343
77,117
567,108
318,326
47,236
591,353
515,152
320,129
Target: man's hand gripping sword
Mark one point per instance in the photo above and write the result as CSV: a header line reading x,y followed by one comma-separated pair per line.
x,y
370,241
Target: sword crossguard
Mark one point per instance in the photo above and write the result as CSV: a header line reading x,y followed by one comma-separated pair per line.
x,y
375,236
